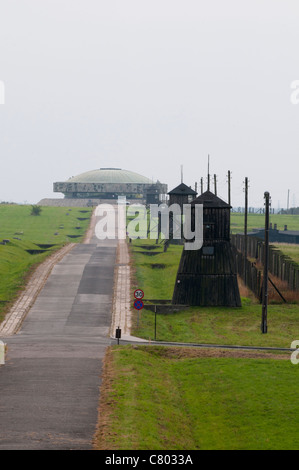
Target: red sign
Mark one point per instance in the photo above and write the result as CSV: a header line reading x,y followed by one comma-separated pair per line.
x,y
138,294
138,304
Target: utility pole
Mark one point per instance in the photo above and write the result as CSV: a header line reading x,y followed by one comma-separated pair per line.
x,y
215,185
245,229
208,172
201,185
264,326
288,203
229,191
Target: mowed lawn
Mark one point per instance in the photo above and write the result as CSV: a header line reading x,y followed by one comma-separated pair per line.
x,y
223,326
258,221
31,240
53,226
161,398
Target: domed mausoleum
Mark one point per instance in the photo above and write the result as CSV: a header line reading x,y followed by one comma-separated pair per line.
x,y
109,183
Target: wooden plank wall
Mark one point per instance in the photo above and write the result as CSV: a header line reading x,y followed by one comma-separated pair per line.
x,y
280,265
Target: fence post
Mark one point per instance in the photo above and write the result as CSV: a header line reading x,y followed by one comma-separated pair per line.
x,y
264,326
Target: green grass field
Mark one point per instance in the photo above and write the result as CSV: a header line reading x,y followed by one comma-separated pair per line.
x,y
161,399
41,235
148,258
223,326
258,221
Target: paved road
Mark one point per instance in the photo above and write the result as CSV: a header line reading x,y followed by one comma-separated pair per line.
x,y
49,386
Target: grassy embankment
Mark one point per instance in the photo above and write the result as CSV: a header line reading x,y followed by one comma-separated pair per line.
x,y
50,230
170,398
173,398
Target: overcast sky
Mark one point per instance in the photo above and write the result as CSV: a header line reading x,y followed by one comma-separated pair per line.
x,y
148,86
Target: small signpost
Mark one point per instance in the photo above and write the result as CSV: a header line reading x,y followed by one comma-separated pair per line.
x,y
118,334
138,304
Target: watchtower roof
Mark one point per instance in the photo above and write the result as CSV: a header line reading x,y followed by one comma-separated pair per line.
x,y
210,200
183,189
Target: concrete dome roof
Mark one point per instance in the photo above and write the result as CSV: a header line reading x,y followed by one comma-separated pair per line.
x,y
110,175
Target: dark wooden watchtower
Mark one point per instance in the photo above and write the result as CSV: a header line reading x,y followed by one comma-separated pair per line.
x,y
181,195
208,276
152,194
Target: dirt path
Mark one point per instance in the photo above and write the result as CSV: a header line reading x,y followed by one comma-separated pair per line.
x,y
192,352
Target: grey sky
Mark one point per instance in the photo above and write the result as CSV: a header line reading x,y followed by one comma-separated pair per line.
x,y
148,85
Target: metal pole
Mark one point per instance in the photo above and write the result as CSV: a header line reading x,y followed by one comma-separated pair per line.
x,y
245,230
228,179
264,326
208,172
155,322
